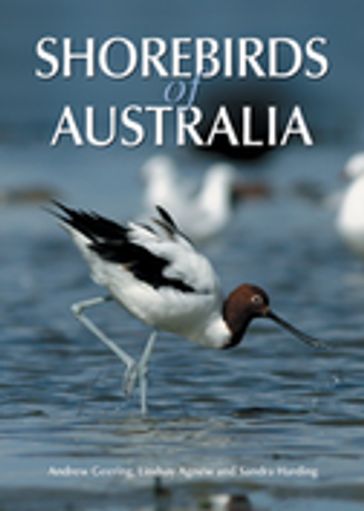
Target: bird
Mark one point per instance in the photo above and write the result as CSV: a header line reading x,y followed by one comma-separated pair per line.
x,y
201,214
155,273
350,218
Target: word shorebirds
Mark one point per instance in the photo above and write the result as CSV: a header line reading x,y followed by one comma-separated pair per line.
x,y
157,275
350,220
203,213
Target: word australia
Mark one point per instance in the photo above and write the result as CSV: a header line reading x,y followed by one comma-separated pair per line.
x,y
135,124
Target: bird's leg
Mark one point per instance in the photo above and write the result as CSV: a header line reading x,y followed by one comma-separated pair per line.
x,y
79,307
143,371
134,370
140,371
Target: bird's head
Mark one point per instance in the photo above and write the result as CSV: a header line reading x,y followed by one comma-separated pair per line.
x,y
158,168
221,175
248,302
354,167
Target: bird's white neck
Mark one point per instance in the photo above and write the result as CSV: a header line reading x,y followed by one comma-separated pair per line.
x,y
214,333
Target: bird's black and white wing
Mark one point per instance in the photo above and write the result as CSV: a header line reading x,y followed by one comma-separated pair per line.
x,y
147,267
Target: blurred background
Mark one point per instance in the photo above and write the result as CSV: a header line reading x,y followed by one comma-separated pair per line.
x,y
270,401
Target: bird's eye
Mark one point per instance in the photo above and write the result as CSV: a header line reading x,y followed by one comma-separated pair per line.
x,y
257,300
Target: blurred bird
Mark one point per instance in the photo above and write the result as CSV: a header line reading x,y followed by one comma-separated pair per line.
x,y
200,214
155,272
350,219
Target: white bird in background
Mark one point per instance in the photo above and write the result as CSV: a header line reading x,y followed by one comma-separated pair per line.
x,y
201,215
350,220
156,274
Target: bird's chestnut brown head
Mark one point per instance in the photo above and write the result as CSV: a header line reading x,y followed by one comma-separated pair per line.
x,y
244,304
246,299
248,302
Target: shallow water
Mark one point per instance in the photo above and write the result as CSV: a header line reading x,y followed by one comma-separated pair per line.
x,y
271,404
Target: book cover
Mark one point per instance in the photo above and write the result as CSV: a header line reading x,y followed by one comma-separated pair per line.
x,y
221,131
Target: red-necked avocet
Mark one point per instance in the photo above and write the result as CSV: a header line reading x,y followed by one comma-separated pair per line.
x,y
154,271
